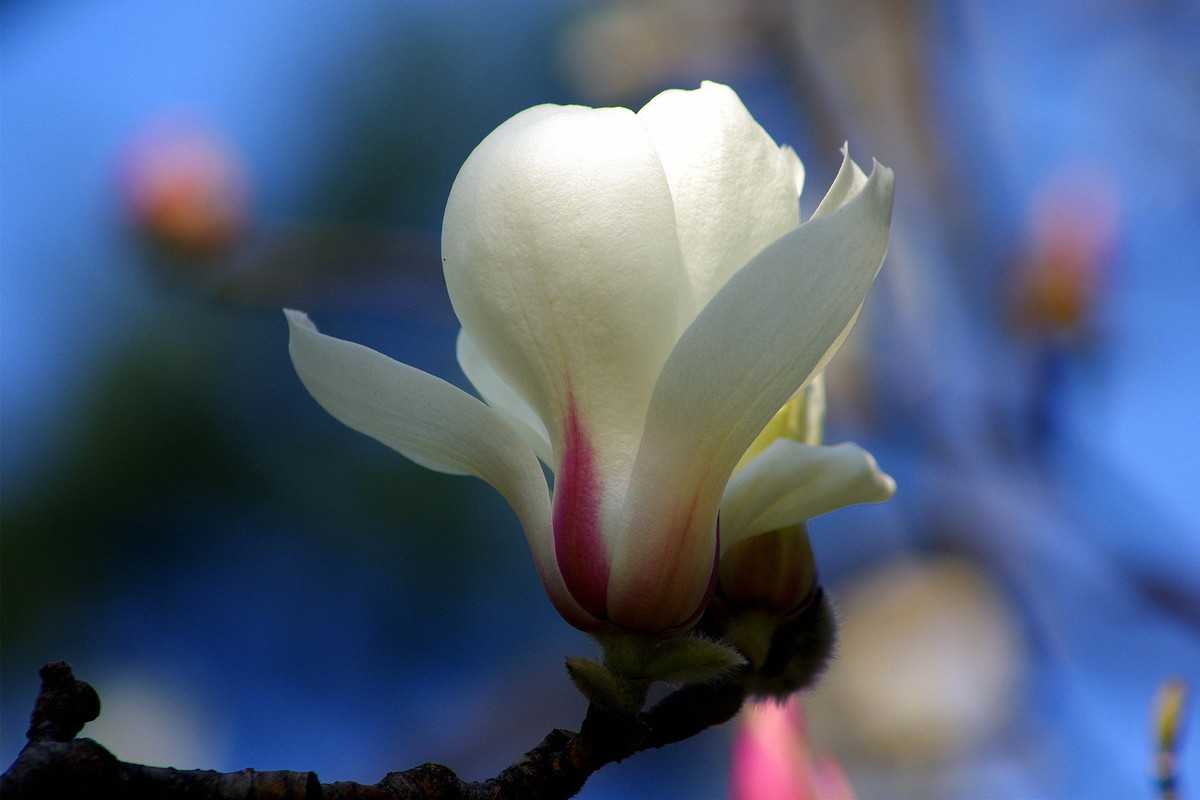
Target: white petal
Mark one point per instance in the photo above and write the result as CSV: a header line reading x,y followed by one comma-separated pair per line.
x,y
563,266
846,185
436,425
792,482
849,181
502,397
763,336
797,168
735,190
802,419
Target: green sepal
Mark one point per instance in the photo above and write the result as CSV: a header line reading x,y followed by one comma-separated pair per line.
x,y
751,632
689,658
604,687
692,659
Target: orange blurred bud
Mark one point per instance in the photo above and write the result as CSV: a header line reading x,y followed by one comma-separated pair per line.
x,y
186,191
1073,229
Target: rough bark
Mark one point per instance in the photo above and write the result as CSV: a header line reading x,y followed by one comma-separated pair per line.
x,y
55,764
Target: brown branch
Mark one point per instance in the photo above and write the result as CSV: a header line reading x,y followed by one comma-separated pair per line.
x,y
55,764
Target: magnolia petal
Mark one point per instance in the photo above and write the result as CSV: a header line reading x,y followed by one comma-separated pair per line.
x,y
761,337
436,425
735,190
502,397
563,266
792,482
848,182
797,168
802,419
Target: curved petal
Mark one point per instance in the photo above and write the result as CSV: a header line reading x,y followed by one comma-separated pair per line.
x,y
792,482
436,425
802,419
797,168
761,337
502,397
563,266
848,182
735,190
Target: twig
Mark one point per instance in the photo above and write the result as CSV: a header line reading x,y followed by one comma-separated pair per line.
x,y
55,764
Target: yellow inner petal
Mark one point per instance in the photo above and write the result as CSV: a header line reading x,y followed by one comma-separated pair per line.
x,y
802,419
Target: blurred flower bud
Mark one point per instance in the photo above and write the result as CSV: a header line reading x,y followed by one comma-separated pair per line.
x,y
929,662
1169,715
1073,229
772,759
185,191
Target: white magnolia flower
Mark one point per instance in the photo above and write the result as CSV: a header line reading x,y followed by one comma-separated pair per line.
x,y
637,298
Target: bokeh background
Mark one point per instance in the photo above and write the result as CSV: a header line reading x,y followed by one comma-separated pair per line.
x,y
248,583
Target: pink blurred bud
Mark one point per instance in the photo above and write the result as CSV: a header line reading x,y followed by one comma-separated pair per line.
x,y
1074,226
772,759
185,190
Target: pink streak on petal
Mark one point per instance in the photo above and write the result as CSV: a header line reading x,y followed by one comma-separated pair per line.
x,y
578,543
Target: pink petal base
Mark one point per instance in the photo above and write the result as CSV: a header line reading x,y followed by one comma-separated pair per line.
x,y
578,543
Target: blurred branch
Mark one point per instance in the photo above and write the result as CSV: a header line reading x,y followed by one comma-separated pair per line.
x,y
307,266
55,764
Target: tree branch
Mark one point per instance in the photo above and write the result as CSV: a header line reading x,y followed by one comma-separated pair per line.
x,y
55,764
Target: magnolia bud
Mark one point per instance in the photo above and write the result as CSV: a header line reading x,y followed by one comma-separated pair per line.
x,y
185,191
1074,228
774,572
